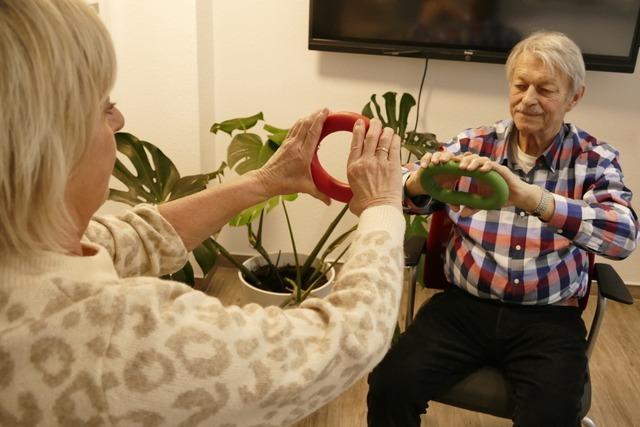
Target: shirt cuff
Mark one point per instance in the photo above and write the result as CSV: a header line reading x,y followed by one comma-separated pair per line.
x,y
567,216
416,204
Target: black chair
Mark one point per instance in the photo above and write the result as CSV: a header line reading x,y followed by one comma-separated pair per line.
x,y
487,390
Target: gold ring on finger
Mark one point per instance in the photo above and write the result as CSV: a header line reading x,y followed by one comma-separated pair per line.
x,y
386,150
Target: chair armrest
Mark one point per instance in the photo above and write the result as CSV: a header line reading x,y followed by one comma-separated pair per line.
x,y
413,249
610,285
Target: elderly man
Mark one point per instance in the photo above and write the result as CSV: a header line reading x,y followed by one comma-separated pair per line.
x,y
516,273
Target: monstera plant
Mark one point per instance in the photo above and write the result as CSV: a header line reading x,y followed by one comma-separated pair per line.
x,y
247,151
415,144
155,179
151,177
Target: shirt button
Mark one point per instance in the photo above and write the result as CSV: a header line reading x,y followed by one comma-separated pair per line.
x,y
516,281
518,247
522,213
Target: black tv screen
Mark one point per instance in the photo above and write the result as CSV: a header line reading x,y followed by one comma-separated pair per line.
x,y
607,31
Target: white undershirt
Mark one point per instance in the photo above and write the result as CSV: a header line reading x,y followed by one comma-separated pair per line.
x,y
524,160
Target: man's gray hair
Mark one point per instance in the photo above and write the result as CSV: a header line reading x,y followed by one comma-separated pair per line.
x,y
556,51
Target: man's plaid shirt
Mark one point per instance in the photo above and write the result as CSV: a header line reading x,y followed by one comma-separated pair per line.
x,y
512,256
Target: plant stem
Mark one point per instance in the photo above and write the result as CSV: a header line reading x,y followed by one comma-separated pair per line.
x,y
337,242
257,242
293,245
323,240
277,272
245,271
313,284
318,274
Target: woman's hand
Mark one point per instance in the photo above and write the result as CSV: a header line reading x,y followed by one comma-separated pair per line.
x,y
288,170
373,168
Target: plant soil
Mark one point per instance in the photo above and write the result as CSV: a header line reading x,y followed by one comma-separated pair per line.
x,y
274,279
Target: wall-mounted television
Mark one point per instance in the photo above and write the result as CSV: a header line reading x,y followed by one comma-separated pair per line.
x,y
607,31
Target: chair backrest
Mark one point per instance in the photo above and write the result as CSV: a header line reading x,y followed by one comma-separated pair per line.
x,y
439,234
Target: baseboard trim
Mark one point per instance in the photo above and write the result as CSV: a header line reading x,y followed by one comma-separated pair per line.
x,y
634,290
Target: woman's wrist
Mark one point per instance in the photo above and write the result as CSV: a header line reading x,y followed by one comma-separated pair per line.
x,y
259,181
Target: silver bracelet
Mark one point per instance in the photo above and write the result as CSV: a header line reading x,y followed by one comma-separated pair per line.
x,y
545,200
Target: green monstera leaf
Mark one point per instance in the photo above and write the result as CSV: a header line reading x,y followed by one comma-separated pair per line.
x,y
420,143
241,123
248,151
397,121
397,118
155,179
248,215
416,226
276,135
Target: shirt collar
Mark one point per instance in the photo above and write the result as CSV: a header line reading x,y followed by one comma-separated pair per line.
x,y
550,157
502,147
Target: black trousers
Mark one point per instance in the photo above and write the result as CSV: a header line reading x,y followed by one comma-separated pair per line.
x,y
541,349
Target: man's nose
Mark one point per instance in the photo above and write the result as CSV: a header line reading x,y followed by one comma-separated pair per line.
x,y
530,96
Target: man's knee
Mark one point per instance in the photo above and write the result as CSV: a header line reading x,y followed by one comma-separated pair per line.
x,y
391,379
392,400
549,410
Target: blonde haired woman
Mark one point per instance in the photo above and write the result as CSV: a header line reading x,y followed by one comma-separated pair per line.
x,y
86,335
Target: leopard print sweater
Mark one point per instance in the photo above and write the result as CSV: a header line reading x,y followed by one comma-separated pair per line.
x,y
96,340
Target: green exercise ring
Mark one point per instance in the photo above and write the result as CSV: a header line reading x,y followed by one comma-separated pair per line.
x,y
475,201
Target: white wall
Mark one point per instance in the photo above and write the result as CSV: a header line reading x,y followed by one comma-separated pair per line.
x,y
185,65
158,87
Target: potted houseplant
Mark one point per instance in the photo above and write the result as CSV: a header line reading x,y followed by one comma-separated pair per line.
x,y
155,179
274,278
289,278
415,144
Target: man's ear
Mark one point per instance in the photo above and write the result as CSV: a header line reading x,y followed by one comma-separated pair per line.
x,y
576,98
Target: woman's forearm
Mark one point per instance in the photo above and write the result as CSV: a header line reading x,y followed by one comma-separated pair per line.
x,y
198,216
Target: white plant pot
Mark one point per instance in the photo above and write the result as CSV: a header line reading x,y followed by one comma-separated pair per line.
x,y
267,298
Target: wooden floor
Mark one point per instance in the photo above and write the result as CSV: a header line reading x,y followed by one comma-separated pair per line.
x,y
614,366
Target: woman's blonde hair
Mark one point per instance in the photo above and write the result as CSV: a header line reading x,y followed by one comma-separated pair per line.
x,y
556,51
57,66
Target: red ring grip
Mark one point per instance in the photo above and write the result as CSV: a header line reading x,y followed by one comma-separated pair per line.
x,y
335,122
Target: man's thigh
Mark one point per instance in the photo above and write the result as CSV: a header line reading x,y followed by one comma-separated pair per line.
x,y
448,339
546,364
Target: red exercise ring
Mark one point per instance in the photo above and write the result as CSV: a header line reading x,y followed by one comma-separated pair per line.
x,y
337,190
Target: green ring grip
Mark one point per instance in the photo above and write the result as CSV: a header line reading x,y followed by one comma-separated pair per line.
x,y
475,201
